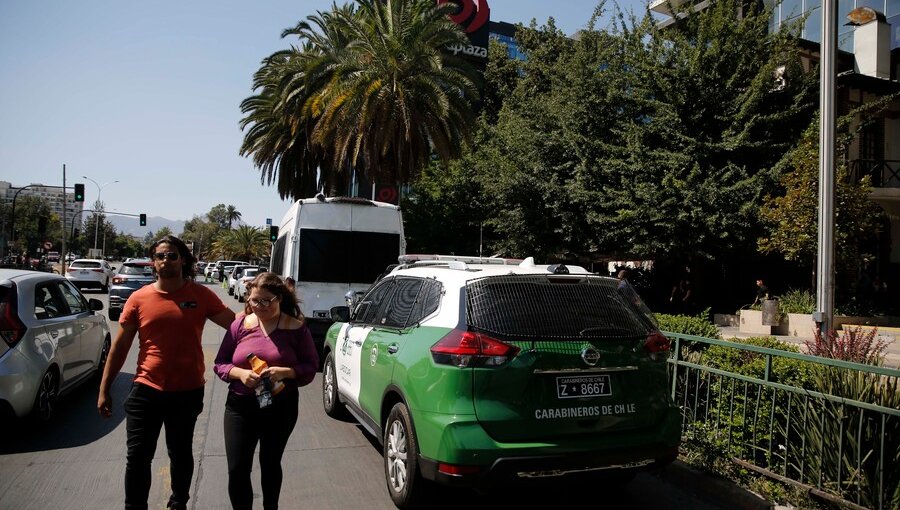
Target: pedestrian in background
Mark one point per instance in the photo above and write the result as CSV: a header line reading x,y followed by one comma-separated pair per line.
x,y
273,330
168,316
762,292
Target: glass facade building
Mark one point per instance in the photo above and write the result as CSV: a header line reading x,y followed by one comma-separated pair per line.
x,y
792,12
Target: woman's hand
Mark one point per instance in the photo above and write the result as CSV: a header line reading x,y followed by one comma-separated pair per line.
x,y
279,373
248,377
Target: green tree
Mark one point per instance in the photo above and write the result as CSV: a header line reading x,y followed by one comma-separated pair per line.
x,y
162,232
32,211
372,86
219,215
243,243
791,214
232,215
203,233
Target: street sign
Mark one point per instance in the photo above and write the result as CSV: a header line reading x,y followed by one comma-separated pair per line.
x,y
48,245
268,221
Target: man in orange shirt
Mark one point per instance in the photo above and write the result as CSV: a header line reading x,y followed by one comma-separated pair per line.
x,y
168,316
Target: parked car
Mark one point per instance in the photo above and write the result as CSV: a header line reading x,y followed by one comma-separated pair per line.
x,y
471,371
234,275
131,276
241,288
53,339
85,273
221,268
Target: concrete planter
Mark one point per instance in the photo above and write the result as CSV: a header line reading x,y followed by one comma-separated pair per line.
x,y
751,322
801,325
726,319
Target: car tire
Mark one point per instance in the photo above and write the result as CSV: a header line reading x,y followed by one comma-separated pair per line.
x,y
47,395
104,356
405,484
114,314
331,400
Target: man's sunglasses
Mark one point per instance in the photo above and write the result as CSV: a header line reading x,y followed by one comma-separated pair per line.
x,y
166,255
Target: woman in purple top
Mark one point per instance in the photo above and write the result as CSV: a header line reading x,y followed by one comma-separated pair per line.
x,y
274,330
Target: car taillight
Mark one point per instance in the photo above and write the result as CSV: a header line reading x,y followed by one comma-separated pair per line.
x,y
71,270
657,344
118,279
468,349
97,270
11,327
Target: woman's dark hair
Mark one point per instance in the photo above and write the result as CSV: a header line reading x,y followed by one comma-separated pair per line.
x,y
188,268
274,284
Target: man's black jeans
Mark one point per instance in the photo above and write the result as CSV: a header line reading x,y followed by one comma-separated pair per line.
x,y
147,410
245,426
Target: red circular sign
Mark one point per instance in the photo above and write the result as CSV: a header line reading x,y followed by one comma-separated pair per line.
x,y
464,16
48,245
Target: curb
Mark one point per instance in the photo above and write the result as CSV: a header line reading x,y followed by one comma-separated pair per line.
x,y
713,489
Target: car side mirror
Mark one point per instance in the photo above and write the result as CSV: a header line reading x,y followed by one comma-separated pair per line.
x,y
340,313
95,304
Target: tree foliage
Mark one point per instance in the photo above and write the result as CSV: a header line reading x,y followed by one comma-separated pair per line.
x,y
372,86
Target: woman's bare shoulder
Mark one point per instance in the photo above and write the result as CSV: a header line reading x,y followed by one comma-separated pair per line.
x,y
292,322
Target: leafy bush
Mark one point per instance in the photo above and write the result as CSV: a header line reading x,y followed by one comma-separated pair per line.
x,y
797,301
697,325
784,370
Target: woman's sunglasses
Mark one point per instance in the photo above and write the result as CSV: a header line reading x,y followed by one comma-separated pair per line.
x,y
166,255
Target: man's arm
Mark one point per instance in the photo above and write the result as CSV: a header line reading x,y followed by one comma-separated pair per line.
x,y
118,351
223,318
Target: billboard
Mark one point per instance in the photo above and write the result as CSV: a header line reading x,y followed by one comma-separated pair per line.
x,y
474,17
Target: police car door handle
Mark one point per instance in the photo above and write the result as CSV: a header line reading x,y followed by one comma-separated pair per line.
x,y
357,342
392,349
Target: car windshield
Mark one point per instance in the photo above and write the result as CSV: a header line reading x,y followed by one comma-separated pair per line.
x,y
85,263
250,273
536,307
136,269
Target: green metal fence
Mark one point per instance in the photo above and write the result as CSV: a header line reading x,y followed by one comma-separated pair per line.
x,y
843,449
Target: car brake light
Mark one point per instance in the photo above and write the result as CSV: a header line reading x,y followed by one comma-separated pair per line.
x,y
97,270
469,349
71,270
656,343
11,327
118,279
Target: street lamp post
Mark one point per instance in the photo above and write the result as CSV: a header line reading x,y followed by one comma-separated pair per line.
x,y
97,215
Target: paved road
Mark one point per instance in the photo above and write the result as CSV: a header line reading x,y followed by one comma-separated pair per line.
x,y
78,460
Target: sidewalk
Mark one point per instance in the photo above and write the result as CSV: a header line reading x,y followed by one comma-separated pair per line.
x,y
891,358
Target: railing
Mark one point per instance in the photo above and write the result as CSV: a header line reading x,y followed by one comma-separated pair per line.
x,y
885,173
816,436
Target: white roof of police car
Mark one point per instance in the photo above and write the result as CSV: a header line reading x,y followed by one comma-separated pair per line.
x,y
447,274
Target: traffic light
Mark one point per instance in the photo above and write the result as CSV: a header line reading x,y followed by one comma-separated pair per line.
x,y
79,192
143,220
273,233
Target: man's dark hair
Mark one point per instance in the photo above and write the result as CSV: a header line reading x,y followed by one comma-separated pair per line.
x,y
188,268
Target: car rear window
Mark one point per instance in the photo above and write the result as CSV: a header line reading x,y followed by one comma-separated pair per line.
x,y
136,269
250,272
84,263
547,307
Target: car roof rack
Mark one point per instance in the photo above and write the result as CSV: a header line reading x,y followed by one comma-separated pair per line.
x,y
415,258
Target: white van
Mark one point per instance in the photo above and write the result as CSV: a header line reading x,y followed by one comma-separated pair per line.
x,y
332,246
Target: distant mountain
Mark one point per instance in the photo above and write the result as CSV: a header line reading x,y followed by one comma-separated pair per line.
x,y
131,226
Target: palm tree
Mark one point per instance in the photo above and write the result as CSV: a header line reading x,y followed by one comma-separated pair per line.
x,y
232,215
243,243
397,95
371,86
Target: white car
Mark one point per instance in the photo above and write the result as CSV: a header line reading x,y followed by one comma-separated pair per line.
x,y
240,292
53,339
233,276
90,273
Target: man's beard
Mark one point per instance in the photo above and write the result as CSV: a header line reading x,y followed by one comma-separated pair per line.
x,y
169,272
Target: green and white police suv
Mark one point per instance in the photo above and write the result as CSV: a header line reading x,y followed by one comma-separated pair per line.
x,y
474,370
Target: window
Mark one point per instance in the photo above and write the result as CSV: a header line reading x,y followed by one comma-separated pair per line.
x,y
367,309
47,302
340,256
400,306
77,303
277,262
427,302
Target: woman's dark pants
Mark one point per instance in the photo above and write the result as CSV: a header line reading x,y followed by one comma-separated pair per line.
x,y
147,410
245,425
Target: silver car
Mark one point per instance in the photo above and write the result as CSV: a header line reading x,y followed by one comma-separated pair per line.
x,y
53,339
90,273
131,276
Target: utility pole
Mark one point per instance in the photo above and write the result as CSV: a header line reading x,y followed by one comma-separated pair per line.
x,y
824,315
63,253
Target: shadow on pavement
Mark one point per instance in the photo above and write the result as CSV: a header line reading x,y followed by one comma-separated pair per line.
x,y
75,423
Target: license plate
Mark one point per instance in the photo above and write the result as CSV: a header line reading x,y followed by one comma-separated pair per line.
x,y
583,386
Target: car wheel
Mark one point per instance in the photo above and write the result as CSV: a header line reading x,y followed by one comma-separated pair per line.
x,y
331,402
114,314
45,400
105,286
401,460
104,355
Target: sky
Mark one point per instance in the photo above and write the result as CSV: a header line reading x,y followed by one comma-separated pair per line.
x,y
148,94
